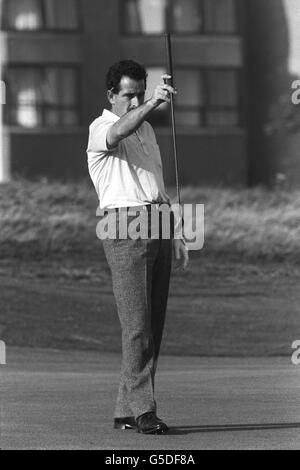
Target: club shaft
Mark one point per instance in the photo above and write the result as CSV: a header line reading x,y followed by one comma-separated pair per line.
x,y
170,72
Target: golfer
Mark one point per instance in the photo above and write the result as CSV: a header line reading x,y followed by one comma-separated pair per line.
x,y
126,169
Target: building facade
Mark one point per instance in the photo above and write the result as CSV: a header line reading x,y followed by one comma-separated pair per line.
x,y
54,57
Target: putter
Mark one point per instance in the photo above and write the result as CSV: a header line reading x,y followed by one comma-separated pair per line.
x,y
170,71
171,82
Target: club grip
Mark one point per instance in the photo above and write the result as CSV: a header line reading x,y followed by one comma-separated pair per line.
x,y
169,58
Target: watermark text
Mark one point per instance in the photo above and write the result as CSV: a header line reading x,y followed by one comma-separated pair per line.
x,y
296,93
2,92
2,353
160,221
296,353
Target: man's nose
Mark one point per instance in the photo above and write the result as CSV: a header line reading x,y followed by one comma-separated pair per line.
x,y
134,102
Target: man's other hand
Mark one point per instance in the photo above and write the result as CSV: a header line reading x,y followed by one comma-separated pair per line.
x,y
181,254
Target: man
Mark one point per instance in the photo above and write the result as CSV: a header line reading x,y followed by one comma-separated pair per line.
x,y
125,167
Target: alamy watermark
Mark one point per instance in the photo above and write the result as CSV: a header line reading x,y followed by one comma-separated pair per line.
x,y
134,223
2,92
2,353
296,354
296,93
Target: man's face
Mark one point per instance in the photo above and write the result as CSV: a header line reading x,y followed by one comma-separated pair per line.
x,y
130,96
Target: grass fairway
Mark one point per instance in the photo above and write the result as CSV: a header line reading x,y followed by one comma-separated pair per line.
x,y
64,400
228,309
241,296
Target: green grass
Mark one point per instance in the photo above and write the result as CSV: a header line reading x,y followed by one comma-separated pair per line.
x,y
223,309
41,218
240,296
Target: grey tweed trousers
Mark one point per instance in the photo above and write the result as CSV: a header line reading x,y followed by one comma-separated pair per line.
x,y
140,276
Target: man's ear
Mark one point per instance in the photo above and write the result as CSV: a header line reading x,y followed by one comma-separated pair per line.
x,y
111,97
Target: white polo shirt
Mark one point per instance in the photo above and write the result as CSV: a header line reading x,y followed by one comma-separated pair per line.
x,y
130,174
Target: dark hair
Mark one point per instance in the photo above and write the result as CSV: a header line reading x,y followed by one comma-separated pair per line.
x,y
127,68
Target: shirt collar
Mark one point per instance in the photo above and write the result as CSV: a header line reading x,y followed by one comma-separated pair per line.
x,y
108,114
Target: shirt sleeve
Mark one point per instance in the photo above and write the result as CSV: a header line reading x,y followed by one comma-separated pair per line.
x,y
98,135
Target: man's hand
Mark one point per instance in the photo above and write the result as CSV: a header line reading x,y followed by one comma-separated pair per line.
x,y
181,254
162,92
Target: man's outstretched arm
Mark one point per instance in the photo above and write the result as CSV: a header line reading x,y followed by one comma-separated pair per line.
x,y
131,121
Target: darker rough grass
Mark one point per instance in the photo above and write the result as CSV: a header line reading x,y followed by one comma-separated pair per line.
x,y
45,219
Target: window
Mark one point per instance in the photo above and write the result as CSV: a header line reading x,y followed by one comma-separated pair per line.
x,y
32,15
220,16
179,16
145,16
22,15
42,97
206,97
223,98
185,16
190,100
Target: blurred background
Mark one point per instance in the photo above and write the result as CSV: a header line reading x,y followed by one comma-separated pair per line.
x,y
235,61
238,141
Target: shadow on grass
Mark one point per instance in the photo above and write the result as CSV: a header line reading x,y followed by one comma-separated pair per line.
x,y
223,294
178,430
